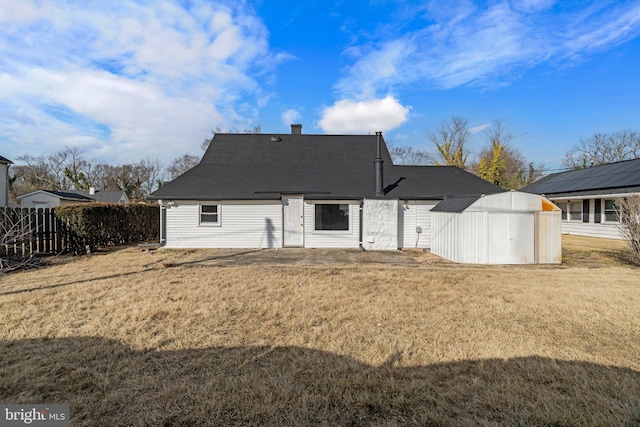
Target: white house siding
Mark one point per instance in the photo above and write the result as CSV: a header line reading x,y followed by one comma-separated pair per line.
x,y
243,224
331,239
606,231
380,224
603,229
39,199
411,215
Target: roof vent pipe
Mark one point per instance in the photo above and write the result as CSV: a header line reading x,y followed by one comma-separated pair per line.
x,y
378,165
296,129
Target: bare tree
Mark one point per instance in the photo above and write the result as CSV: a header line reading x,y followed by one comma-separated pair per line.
x,y
64,170
502,164
628,213
408,155
603,148
207,141
13,229
450,139
182,164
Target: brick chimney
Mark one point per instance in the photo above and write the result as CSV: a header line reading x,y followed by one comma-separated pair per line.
x,y
296,129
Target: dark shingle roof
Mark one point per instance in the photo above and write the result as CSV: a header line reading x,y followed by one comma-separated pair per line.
x,y
5,160
602,179
260,166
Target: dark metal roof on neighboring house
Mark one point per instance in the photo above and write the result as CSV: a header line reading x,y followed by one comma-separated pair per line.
x,y
603,179
5,160
70,195
105,196
263,166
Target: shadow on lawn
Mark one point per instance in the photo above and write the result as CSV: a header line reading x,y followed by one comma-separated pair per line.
x,y
107,383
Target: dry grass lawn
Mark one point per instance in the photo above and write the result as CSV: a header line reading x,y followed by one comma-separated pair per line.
x,y
128,337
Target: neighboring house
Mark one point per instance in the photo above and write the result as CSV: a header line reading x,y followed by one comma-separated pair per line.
x,y
53,199
313,191
4,181
586,196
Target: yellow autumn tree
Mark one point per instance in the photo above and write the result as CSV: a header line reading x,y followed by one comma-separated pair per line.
x,y
502,164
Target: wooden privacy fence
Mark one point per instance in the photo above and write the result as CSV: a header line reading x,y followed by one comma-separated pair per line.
x,y
29,231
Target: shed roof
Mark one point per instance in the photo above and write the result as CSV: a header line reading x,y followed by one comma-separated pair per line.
x,y
456,204
5,160
604,179
508,201
261,166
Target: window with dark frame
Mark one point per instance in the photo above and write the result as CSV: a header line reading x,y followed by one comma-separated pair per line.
x,y
209,215
332,217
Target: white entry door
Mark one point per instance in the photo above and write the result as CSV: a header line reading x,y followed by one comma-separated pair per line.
x,y
293,220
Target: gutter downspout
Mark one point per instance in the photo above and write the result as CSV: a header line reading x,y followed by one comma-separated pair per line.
x,y
163,224
361,227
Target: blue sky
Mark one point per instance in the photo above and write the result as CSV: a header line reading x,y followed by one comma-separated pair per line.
x,y
131,80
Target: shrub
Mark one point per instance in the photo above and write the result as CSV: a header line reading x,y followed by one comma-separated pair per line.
x,y
629,223
100,224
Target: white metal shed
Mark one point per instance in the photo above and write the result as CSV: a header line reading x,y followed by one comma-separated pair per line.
x,y
504,228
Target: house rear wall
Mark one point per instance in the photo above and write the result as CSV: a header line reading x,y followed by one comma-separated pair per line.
x,y
243,224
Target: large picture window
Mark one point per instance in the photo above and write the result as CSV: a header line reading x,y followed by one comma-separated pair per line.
x,y
332,217
209,214
610,210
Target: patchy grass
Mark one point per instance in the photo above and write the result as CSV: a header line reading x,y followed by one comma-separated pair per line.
x,y
168,338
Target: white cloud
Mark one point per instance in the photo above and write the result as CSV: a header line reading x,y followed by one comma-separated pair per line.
x,y
479,128
348,116
461,44
127,80
291,116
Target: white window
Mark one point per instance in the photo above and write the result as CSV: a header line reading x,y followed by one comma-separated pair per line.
x,y
610,211
575,210
332,217
209,214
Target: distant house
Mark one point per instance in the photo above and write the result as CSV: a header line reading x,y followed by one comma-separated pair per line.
x,y
53,199
4,181
586,196
312,191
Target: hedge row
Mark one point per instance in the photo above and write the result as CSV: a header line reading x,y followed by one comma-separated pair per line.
x,y
100,225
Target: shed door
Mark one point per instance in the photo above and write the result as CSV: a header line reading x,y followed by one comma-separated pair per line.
x,y
511,238
293,218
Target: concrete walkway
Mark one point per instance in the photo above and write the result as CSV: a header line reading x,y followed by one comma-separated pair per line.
x,y
290,256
